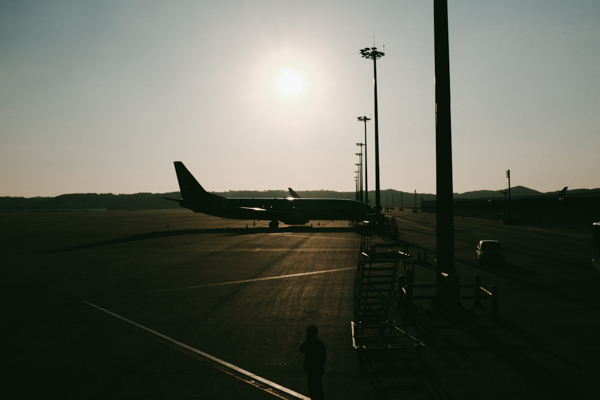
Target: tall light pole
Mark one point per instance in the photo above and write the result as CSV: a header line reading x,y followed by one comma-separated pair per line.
x,y
443,132
361,170
373,54
365,119
509,207
359,174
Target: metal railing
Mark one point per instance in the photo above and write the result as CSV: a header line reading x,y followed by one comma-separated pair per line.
x,y
406,292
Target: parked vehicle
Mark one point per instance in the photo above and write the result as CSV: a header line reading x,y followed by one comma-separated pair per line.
x,y
489,251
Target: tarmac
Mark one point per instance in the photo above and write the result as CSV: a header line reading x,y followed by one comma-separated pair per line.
x,y
171,304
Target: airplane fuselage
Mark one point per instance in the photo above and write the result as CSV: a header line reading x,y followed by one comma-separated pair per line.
x,y
288,210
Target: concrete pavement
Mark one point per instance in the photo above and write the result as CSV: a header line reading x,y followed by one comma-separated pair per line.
x,y
246,296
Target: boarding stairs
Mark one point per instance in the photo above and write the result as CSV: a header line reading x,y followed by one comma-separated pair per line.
x,y
374,295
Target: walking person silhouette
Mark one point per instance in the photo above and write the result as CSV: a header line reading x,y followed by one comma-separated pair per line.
x,y
315,355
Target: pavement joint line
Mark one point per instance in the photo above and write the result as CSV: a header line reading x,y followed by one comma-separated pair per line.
x,y
243,281
246,376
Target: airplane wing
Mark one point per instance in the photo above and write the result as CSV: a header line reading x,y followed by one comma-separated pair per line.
x,y
254,209
263,214
262,210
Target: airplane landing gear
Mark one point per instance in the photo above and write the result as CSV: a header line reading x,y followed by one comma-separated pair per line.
x,y
273,224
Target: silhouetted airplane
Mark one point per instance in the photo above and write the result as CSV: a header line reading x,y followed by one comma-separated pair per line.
x,y
562,193
290,210
293,194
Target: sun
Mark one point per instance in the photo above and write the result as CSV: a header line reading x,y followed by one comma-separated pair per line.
x,y
290,83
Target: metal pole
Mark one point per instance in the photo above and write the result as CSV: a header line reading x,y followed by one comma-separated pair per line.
x,y
509,205
365,119
444,187
359,165
361,176
366,166
361,169
377,183
373,54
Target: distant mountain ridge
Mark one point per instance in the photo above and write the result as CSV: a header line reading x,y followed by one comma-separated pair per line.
x,y
522,191
152,201
517,191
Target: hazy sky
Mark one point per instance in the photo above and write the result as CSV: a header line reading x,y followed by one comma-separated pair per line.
x,y
102,96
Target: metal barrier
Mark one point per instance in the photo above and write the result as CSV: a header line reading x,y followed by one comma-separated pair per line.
x,y
487,295
386,227
407,286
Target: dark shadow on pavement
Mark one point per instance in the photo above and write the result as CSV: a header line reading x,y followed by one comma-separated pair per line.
x,y
509,343
223,231
399,372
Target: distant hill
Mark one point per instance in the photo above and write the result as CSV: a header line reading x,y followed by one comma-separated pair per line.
x,y
154,201
109,201
521,191
517,191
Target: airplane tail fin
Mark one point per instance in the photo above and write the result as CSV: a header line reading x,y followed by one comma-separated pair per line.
x,y
293,194
188,185
562,192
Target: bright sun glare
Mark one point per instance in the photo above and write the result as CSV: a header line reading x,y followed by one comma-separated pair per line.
x,y
291,83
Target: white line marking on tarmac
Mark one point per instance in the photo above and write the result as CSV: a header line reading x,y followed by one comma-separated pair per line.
x,y
242,374
244,281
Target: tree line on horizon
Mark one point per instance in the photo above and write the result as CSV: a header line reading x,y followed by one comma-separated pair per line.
x,y
153,201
